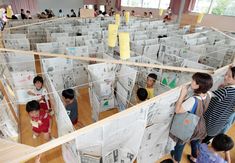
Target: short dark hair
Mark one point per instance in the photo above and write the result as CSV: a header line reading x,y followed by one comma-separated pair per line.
x,y
68,94
204,81
150,12
32,106
142,94
167,161
233,71
222,142
27,11
37,78
153,76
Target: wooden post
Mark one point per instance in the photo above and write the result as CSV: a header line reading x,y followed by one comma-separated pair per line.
x,y
181,10
8,101
38,66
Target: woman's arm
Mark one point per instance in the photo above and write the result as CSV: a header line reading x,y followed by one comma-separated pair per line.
x,y
227,156
178,107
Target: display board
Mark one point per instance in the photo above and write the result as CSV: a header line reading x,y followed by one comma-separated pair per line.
x,y
64,124
8,125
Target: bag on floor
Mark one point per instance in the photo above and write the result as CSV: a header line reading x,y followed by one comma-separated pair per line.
x,y
184,124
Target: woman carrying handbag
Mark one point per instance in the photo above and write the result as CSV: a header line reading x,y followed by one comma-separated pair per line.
x,y
188,124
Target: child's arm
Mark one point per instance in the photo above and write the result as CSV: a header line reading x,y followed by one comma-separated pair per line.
x,y
50,124
227,156
178,107
30,92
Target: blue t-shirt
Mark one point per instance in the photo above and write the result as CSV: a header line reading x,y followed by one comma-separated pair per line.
x,y
205,155
72,110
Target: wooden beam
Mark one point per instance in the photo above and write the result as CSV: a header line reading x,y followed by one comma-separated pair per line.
x,y
37,23
217,30
9,102
172,68
11,150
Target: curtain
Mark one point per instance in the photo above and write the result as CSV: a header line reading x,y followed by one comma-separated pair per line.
x,y
118,5
31,5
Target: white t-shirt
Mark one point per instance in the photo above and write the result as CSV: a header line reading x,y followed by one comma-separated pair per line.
x,y
41,92
188,104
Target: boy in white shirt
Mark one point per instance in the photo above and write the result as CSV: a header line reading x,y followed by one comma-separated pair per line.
x,y
41,93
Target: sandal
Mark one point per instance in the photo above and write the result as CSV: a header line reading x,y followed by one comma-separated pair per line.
x,y
189,158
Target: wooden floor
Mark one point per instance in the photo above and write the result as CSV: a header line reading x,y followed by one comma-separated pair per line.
x,y
55,155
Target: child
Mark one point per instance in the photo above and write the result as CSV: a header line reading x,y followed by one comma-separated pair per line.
x,y
210,154
150,15
145,14
40,120
151,79
142,94
132,13
201,83
60,13
168,15
23,16
73,13
71,105
221,107
41,92
28,15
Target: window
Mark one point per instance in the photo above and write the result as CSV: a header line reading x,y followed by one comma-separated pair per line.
x,y
132,3
102,8
150,3
125,2
223,7
89,6
215,7
146,3
135,3
202,6
164,4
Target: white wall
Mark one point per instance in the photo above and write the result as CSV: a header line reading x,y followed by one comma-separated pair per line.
x,y
65,5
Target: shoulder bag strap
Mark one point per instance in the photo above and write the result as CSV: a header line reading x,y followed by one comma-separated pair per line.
x,y
194,106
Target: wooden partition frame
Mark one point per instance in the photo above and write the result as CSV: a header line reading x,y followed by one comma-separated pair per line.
x,y
25,155
9,102
37,23
22,152
173,68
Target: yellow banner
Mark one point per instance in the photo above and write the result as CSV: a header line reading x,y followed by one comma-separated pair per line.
x,y
200,17
124,43
112,35
127,17
117,19
161,11
9,11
